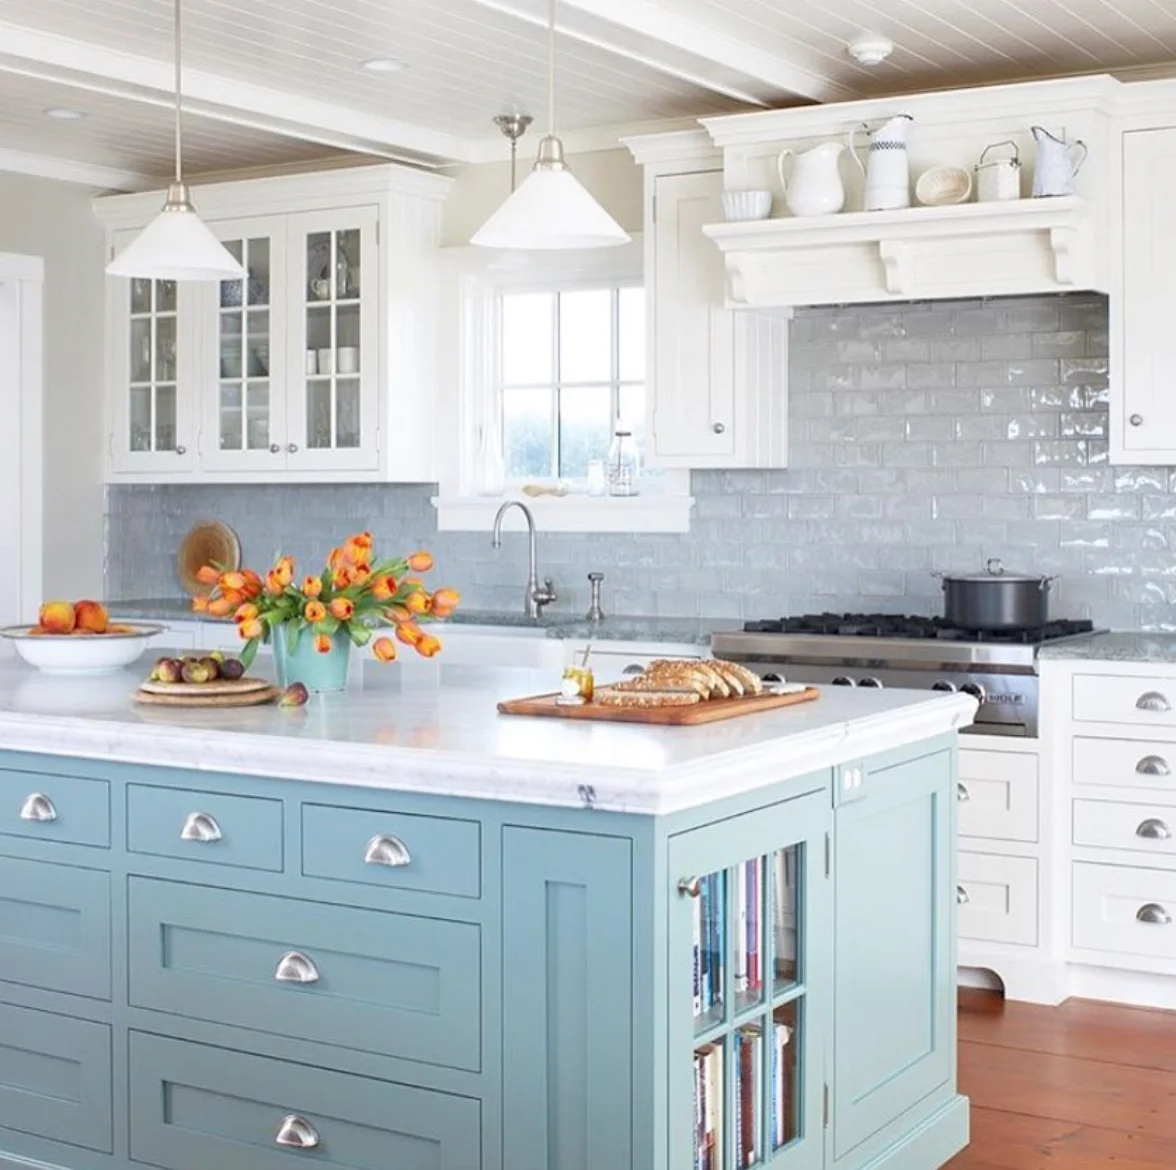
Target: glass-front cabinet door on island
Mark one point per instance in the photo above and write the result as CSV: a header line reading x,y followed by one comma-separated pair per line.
x,y
244,399
334,344
749,972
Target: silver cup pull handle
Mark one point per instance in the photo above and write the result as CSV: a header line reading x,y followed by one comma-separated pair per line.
x,y
296,1133
295,967
1153,829
200,827
1153,701
38,807
387,850
1153,914
962,793
962,898
1153,766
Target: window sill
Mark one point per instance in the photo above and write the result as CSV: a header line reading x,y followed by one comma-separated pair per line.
x,y
573,513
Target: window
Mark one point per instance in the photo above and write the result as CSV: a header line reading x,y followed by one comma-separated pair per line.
x,y
571,373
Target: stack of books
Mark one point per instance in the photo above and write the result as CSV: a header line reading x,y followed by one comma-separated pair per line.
x,y
708,1108
710,925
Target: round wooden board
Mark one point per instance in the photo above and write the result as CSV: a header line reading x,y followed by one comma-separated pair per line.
x,y
247,699
206,544
222,686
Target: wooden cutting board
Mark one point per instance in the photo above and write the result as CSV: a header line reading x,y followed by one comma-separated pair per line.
x,y
206,544
709,711
251,698
221,686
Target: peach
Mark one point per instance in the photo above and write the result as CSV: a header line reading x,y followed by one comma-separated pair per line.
x,y
91,616
57,617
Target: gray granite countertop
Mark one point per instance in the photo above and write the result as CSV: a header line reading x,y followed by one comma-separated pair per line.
x,y
566,626
1114,646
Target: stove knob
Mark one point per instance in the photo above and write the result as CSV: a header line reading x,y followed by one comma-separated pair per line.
x,y
943,685
876,683
843,681
975,690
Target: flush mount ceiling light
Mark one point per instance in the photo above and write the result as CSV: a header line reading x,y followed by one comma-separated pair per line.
x,y
62,114
870,49
550,209
176,244
383,65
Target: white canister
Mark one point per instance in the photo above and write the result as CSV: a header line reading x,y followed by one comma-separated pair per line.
x,y
312,361
326,361
348,360
998,179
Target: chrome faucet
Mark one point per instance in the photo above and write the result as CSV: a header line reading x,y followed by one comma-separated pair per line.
x,y
535,597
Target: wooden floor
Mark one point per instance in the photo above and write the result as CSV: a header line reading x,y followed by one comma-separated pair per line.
x,y
1078,1087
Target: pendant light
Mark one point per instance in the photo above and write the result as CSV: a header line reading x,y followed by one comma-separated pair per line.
x,y
550,209
177,244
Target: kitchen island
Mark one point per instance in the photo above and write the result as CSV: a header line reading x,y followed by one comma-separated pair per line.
x,y
393,928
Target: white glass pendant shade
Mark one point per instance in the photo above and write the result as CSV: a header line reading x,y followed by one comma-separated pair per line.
x,y
176,245
551,209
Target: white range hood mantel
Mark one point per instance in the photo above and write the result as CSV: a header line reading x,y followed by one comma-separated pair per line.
x,y
971,249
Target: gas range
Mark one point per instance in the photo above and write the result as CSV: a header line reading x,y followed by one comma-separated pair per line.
x,y
891,650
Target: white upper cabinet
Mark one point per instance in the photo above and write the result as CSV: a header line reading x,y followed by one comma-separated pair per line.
x,y
1143,353
319,366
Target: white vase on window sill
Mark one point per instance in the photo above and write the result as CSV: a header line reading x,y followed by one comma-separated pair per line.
x,y
489,466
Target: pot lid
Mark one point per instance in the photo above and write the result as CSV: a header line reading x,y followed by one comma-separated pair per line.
x,y
995,571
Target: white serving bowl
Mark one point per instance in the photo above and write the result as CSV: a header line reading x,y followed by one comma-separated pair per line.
x,y
943,185
747,204
81,654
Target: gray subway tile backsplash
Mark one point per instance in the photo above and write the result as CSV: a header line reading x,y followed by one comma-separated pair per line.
x,y
925,436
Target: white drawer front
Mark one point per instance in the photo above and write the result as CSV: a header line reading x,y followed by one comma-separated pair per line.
x,y
998,795
997,898
1112,824
1145,702
1131,763
1126,910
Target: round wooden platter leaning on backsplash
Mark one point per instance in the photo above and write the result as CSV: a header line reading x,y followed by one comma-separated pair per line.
x,y
208,543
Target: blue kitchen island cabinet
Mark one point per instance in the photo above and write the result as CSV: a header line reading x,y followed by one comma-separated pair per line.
x,y
257,968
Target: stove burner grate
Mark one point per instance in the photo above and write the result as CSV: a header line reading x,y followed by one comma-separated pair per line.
x,y
891,625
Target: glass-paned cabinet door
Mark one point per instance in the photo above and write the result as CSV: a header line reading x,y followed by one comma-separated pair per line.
x,y
244,422
152,376
749,937
335,351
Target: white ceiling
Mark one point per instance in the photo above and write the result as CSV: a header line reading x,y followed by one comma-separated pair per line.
x,y
276,82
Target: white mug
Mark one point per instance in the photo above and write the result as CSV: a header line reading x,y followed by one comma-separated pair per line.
x,y
326,361
311,361
348,361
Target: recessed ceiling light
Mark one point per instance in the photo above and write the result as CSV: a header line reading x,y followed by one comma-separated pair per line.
x,y
383,65
870,49
64,114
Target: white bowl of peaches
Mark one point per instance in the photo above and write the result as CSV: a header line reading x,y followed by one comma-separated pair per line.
x,y
78,637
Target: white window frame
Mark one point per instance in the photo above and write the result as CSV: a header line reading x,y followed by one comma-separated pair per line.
x,y
475,282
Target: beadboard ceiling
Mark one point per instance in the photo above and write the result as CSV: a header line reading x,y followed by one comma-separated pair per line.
x,y
277,82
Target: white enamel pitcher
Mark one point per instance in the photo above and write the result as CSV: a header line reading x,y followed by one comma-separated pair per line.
x,y
1058,162
888,172
814,186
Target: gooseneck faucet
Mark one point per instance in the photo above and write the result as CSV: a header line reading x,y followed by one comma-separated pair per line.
x,y
535,597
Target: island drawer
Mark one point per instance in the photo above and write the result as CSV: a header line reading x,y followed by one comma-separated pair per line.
x,y
44,807
394,984
997,898
1124,763
399,850
1115,824
56,1077
194,1106
55,927
997,793
1128,910
213,827
1147,701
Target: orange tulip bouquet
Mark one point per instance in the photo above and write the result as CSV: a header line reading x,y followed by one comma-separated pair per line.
x,y
353,593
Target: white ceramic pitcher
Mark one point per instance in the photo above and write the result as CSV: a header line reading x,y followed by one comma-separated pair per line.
x,y
888,172
814,186
1058,162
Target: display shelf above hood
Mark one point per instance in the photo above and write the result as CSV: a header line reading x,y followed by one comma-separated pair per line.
x,y
972,249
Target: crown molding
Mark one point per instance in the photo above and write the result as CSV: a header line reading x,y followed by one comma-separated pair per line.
x,y
43,166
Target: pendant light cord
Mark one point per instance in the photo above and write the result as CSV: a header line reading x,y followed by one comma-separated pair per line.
x,y
179,142
550,66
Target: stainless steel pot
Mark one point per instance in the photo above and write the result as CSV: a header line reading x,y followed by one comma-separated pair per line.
x,y
996,600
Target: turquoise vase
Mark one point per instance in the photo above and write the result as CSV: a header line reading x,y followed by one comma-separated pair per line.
x,y
316,672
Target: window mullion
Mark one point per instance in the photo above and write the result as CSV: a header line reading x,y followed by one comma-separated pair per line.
x,y
615,358
556,371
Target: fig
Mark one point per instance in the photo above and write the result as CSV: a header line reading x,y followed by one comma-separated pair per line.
x,y
232,669
196,671
217,656
295,695
168,670
212,666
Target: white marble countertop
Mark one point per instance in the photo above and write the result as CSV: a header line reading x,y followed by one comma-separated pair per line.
x,y
1113,646
427,728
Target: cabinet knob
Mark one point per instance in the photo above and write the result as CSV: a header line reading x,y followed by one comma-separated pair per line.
x,y
297,1133
1153,701
689,887
962,793
181,450
295,967
1153,829
962,898
200,827
1153,766
275,448
291,447
387,850
38,807
719,428
1153,914
1136,420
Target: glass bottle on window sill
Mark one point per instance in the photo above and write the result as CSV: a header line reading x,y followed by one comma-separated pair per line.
x,y
489,465
624,465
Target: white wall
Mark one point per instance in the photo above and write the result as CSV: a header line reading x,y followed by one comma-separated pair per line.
x,y
611,175
42,217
